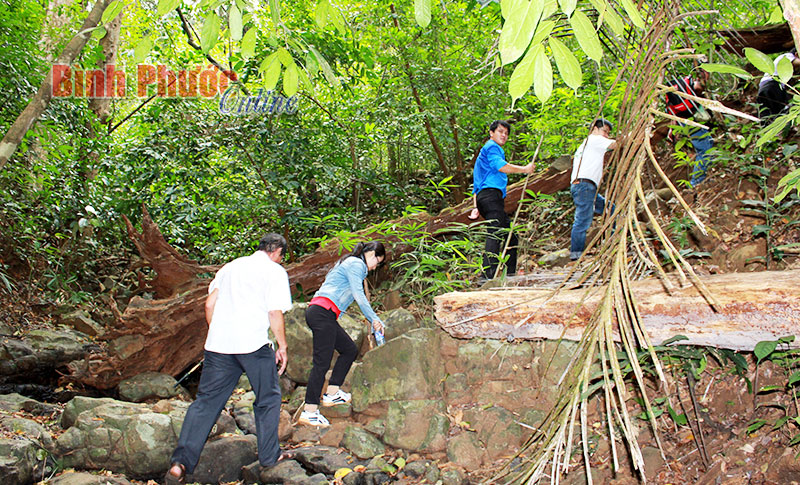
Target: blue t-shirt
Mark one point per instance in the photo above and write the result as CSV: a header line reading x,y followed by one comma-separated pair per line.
x,y
487,174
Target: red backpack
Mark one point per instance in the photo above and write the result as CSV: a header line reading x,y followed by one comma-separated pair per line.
x,y
678,105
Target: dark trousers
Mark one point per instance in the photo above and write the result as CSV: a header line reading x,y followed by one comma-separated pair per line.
x,y
492,208
328,336
772,100
218,379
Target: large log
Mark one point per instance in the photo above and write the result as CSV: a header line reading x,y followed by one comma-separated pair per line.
x,y
752,307
768,38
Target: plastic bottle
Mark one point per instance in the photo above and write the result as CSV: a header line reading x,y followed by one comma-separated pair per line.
x,y
379,338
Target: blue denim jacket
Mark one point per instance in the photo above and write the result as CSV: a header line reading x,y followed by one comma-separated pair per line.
x,y
345,283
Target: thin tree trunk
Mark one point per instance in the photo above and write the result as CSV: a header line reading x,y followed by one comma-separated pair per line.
x,y
101,106
41,100
791,12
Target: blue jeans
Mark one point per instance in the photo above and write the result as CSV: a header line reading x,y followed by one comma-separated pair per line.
x,y
218,379
587,203
702,143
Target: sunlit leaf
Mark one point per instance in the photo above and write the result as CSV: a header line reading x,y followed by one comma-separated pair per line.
x,y
290,80
761,61
567,6
321,13
785,69
522,77
275,11
142,49
776,16
725,69
633,13
249,43
508,7
326,68
608,16
337,19
586,35
543,31
285,57
235,22
166,6
518,30
112,10
98,32
422,12
209,34
272,73
568,65
542,76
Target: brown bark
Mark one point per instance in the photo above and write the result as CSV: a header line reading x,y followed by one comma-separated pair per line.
x,y
791,12
40,101
768,39
752,307
101,106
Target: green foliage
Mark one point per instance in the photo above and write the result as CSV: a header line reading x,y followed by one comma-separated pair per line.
x,y
783,397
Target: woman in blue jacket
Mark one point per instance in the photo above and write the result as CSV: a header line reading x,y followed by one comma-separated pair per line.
x,y
343,284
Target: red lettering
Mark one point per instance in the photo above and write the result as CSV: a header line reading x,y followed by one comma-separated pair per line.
x,y
208,83
62,81
145,76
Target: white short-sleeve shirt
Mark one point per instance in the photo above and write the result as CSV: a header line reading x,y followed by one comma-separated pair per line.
x,y
588,160
249,288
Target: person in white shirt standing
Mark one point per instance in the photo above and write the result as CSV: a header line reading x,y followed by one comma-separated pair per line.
x,y
773,97
587,173
245,300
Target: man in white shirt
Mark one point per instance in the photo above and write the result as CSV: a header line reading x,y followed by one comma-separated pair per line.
x,y
773,97
245,300
587,173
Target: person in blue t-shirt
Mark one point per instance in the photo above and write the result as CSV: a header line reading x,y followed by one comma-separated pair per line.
x,y
489,181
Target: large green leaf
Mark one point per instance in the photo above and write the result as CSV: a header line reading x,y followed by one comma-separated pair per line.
x,y
567,6
761,61
776,16
633,13
249,43
272,73
337,19
142,49
290,80
285,57
275,11
507,7
586,35
764,348
321,13
543,31
235,22
326,68
725,69
522,77
542,76
112,10
422,12
785,69
608,15
568,65
209,34
518,30
166,6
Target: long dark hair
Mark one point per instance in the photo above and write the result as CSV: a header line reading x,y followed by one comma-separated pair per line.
x,y
361,248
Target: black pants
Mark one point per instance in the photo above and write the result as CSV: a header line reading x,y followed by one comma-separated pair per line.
x,y
492,208
328,336
772,101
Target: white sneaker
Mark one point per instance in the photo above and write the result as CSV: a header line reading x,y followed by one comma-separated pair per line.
x,y
339,397
313,419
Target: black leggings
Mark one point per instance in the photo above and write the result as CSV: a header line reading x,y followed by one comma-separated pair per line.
x,y
328,336
492,208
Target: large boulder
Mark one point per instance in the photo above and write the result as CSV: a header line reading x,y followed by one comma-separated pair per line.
x,y
398,322
40,350
18,461
81,321
16,402
28,428
323,459
417,425
407,367
361,443
83,478
300,340
222,460
287,471
121,437
149,385
496,429
79,404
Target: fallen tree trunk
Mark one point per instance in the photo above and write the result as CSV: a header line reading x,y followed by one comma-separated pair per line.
x,y
768,38
167,334
752,307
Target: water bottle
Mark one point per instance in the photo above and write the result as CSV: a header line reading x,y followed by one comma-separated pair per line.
x,y
379,339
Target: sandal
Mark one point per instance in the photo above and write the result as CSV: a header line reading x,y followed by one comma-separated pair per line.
x,y
172,479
